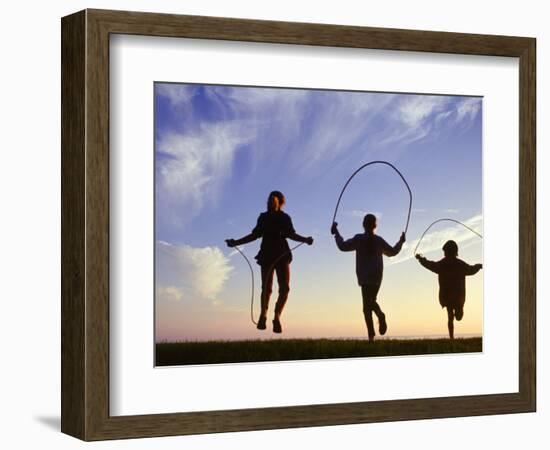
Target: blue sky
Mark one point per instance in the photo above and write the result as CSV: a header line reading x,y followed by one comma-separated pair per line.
x,y
220,150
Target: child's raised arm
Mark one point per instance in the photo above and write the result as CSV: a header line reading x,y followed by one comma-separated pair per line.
x,y
256,233
344,245
244,240
388,250
430,265
472,270
290,233
299,238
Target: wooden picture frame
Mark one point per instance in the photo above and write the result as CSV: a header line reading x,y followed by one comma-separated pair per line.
x,y
85,224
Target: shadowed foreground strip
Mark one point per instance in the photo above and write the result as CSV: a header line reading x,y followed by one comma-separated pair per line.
x,y
183,353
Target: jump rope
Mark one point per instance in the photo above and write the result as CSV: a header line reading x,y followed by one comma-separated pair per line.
x,y
442,220
268,272
359,170
334,220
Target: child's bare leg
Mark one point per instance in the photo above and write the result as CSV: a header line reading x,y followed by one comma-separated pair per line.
x,y
267,284
377,310
372,293
369,323
382,325
367,311
266,294
450,323
283,279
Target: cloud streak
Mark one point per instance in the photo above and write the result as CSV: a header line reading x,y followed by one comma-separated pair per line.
x,y
191,169
417,117
467,110
179,95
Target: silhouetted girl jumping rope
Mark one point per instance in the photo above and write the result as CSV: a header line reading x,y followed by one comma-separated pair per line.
x,y
274,227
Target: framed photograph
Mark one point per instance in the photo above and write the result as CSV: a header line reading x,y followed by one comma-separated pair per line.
x,y
272,225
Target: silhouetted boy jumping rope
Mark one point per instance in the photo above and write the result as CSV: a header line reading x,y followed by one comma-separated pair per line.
x,y
451,272
274,227
369,267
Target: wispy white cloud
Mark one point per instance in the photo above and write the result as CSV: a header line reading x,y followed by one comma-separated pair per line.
x,y
416,109
412,117
278,116
467,109
193,167
199,272
442,116
306,127
343,124
255,100
178,94
422,116
451,210
361,213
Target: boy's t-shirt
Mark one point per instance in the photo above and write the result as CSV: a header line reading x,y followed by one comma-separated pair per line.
x,y
273,227
369,250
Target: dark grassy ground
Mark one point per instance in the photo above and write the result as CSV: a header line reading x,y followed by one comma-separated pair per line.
x,y
183,353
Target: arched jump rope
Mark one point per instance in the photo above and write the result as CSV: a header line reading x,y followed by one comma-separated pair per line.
x,y
359,170
442,220
334,220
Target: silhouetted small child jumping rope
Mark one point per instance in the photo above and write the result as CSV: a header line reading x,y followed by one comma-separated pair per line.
x,y
274,227
369,267
452,273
